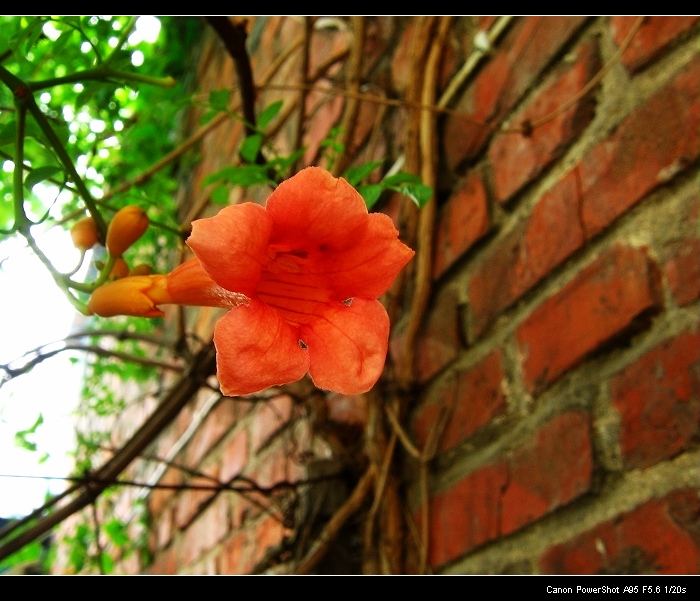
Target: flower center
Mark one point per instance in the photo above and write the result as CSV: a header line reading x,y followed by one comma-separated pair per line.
x,y
291,283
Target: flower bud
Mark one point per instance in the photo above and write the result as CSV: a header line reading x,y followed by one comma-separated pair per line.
x,y
136,295
141,269
126,227
120,269
84,233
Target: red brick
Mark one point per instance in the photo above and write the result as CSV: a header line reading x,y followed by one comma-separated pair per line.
x,y
320,124
659,537
206,531
160,496
346,409
682,271
652,38
476,397
165,563
658,140
279,466
401,59
270,416
268,537
439,341
551,470
466,515
163,529
531,44
190,501
462,221
658,398
236,555
555,468
219,421
518,159
528,253
603,301
235,456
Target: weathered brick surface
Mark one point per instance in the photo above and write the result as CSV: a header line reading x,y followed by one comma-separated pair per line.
x,y
467,514
439,342
236,555
190,501
350,410
603,301
658,398
270,416
548,472
659,537
555,468
210,527
473,397
517,159
528,48
528,253
682,271
160,497
654,36
234,456
659,139
462,221
218,422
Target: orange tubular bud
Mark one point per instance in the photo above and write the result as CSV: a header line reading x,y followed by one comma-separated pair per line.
x,y
127,226
141,269
84,233
136,295
120,269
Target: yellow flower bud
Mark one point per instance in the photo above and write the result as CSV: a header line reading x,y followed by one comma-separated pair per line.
x,y
84,233
135,295
120,269
141,269
126,227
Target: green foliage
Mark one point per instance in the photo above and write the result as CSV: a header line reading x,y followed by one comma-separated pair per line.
x,y
21,437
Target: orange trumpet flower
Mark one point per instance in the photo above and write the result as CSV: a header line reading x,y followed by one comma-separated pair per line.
x,y
301,278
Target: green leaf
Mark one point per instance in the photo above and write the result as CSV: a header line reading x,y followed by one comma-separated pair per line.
x,y
250,147
21,436
117,532
219,195
419,193
219,99
354,175
370,193
8,133
269,114
39,175
107,563
401,178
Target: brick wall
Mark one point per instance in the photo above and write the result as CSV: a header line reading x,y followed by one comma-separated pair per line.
x,y
558,358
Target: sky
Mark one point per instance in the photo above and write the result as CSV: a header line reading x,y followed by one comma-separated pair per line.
x,y
34,311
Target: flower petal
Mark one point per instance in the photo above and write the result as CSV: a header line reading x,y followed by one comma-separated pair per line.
x,y
232,245
369,268
315,207
347,345
350,252
255,349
